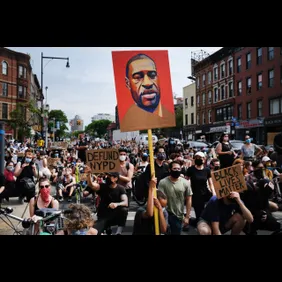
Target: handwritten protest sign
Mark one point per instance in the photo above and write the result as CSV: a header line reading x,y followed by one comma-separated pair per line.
x,y
58,145
103,160
227,180
51,162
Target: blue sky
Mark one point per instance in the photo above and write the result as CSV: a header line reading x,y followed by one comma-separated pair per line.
x,y
87,87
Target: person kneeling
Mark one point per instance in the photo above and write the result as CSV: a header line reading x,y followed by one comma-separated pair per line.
x,y
113,206
222,215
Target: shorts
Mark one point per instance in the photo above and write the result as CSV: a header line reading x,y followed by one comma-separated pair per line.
x,y
222,227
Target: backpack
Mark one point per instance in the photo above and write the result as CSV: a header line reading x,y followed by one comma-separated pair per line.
x,y
140,188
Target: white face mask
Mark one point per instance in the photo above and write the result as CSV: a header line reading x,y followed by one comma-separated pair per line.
x,y
122,158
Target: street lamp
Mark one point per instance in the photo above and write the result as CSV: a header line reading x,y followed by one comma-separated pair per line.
x,y
192,78
42,105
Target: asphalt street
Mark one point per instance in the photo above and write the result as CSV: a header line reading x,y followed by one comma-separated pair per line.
x,y
21,210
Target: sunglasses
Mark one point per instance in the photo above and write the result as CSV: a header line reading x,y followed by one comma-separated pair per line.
x,y
44,186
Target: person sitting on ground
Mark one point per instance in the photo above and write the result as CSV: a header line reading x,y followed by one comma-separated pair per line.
x,y
79,221
68,182
144,217
222,215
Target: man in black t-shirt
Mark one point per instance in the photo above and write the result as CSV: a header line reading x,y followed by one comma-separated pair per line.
x,y
82,147
113,207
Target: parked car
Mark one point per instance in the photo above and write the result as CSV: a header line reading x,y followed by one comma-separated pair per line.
x,y
236,145
198,145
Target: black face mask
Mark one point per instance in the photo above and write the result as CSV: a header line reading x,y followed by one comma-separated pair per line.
x,y
216,167
144,159
161,156
198,162
109,181
258,173
175,173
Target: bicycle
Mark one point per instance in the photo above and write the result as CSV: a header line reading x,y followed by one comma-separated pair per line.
x,y
46,219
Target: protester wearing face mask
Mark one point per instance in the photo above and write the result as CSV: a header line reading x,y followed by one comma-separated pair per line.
x,y
44,199
224,150
125,173
10,181
113,206
250,151
201,184
141,166
25,169
68,182
256,198
161,168
178,192
267,164
214,165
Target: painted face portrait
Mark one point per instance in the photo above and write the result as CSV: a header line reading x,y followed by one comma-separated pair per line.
x,y
143,82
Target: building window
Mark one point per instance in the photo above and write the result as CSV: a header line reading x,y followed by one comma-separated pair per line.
x,y
270,53
230,89
270,78
21,72
192,118
249,85
230,67
4,68
239,65
4,111
210,97
248,61
204,80
5,89
259,108
198,100
203,118
209,77
210,116
215,73
186,119
223,114
249,113
198,119
222,92
259,56
275,106
222,70
186,102
204,99
198,82
239,111
239,88
259,81
215,95
21,92
192,101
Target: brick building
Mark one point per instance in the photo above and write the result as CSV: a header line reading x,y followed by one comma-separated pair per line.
x,y
239,90
215,98
15,83
258,75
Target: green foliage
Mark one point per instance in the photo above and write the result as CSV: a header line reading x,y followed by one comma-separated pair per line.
x,y
19,121
97,128
60,116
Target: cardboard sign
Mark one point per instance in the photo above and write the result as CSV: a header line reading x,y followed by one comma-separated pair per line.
x,y
143,90
229,179
103,160
51,162
58,145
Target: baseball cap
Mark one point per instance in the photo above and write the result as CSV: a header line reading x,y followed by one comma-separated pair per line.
x,y
114,174
200,154
265,159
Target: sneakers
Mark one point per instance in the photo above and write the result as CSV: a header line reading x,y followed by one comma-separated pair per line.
x,y
60,199
69,199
